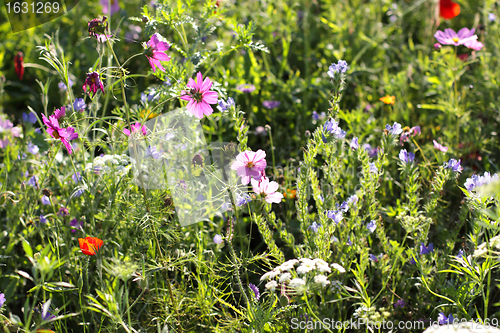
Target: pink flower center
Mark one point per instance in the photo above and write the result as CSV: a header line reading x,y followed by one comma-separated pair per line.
x,y
56,134
250,165
455,39
196,95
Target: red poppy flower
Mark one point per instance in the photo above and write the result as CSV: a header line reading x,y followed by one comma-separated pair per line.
x,y
448,9
90,245
19,65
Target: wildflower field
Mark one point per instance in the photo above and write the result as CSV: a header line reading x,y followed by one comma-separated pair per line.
x,y
249,166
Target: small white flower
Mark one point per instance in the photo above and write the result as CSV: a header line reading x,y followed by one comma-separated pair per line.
x,y
297,282
271,285
338,267
285,277
321,279
269,275
306,267
323,268
319,262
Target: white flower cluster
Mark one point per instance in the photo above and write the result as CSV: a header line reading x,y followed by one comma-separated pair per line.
x,y
482,249
286,273
103,164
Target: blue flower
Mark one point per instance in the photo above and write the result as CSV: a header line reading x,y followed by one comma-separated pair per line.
x,y
332,127
400,303
354,143
395,129
373,257
340,67
348,243
33,181
373,167
460,254
314,227
315,116
152,151
343,207
79,104
255,290
320,198
45,200
443,320
226,106
371,226
200,197
372,152
426,250
406,157
78,193
271,104
492,17
62,86
32,148
242,199
46,315
217,239
413,261
29,117
335,215
352,200
43,219
152,95
454,165
76,177
167,82
477,181
21,155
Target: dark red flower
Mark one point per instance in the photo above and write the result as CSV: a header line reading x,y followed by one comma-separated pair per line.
x,y
19,65
448,9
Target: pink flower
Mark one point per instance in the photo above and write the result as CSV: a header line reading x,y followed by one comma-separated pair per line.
x,y
155,52
199,96
450,37
250,164
440,147
16,131
4,143
63,134
93,82
59,113
115,6
267,190
474,44
135,128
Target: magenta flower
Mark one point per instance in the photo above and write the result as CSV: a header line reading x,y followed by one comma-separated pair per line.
x,y
155,51
474,44
199,96
93,82
63,134
267,190
136,128
59,113
75,225
250,164
115,6
440,147
450,37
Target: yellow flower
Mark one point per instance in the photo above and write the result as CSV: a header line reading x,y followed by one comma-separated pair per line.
x,y
151,115
388,99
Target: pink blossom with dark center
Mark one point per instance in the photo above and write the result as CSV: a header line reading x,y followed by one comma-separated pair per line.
x,y
250,164
93,82
136,128
267,190
199,96
155,52
63,134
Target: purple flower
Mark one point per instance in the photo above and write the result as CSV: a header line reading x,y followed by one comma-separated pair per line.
x,y
320,198
246,88
79,104
5,125
332,127
75,225
271,104
153,152
316,116
443,320
426,250
454,165
460,254
151,96
78,193
400,303
21,155
354,143
33,181
63,211
373,257
348,243
373,167
395,129
46,315
225,106
492,17
372,152
45,200
413,261
43,219
437,46
115,6
2,300
242,199
450,37
314,227
352,200
32,148
77,177
406,157
340,67
29,117
217,239
476,181
371,226
93,82
335,215
343,206
255,290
